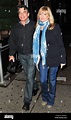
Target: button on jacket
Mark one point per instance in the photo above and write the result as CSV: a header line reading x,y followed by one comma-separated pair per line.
x,y
55,47
21,38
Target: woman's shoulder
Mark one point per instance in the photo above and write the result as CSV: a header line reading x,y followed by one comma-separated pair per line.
x,y
57,27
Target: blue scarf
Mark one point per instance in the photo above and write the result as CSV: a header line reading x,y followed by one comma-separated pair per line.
x,y
43,49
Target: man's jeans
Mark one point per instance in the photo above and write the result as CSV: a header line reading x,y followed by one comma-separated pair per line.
x,y
29,69
48,83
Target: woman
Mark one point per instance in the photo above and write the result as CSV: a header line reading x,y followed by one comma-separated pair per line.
x,y
48,53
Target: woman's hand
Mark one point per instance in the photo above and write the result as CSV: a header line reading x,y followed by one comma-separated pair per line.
x,y
62,65
38,63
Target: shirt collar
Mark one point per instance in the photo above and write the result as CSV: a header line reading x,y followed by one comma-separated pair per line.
x,y
27,21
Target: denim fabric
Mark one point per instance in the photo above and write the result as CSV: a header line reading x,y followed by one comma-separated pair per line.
x,y
29,69
48,83
35,85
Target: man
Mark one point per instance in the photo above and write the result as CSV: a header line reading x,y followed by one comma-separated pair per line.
x,y
21,41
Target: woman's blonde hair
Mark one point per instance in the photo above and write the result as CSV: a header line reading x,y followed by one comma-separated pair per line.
x,y
51,18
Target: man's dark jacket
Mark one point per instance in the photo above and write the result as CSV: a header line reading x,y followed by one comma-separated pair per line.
x,y
21,38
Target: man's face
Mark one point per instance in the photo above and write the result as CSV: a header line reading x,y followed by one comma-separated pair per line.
x,y
23,14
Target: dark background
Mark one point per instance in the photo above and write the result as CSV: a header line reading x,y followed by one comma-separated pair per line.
x,y
8,12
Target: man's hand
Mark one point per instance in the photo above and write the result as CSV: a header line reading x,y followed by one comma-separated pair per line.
x,y
11,58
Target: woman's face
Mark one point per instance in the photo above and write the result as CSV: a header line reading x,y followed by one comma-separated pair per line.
x,y
43,16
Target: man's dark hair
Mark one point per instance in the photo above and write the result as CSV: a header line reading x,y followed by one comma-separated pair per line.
x,y
23,6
